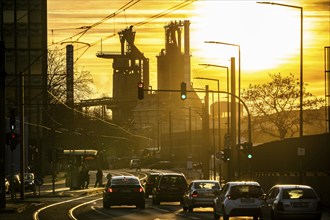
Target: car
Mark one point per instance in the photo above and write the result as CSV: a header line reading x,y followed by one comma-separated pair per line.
x,y
123,190
200,193
292,202
14,183
29,183
170,187
163,164
7,185
150,183
135,163
239,198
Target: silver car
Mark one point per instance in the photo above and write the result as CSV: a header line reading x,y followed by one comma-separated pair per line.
x,y
291,201
200,193
239,198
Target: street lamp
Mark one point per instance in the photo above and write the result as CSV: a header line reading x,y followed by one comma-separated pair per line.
x,y
239,81
301,130
226,67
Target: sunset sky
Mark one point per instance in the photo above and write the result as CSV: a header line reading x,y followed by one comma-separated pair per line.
x,y
269,36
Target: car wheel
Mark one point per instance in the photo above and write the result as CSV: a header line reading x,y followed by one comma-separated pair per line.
x,y
106,204
155,201
225,217
190,208
141,205
216,216
273,217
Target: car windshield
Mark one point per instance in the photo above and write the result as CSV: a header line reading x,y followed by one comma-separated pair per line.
x,y
206,185
295,193
246,191
125,181
173,180
152,178
28,176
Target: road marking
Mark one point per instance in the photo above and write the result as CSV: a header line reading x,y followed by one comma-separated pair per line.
x,y
37,212
98,211
76,207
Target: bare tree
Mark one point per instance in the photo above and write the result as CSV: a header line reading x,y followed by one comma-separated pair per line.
x,y
56,85
274,105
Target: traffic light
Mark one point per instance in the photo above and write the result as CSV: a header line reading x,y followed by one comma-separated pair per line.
x,y
12,139
183,90
12,119
247,148
140,90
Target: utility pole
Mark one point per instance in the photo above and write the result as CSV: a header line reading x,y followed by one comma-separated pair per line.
x,y
233,163
206,151
2,126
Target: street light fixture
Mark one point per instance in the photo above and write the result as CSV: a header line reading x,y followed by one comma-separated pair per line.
x,y
301,130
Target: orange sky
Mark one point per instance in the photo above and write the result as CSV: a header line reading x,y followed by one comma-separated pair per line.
x,y
269,36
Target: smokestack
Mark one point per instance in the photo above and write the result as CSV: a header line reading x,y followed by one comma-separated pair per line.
x,y
69,75
187,74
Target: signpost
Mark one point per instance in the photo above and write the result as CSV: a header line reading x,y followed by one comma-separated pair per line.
x,y
39,182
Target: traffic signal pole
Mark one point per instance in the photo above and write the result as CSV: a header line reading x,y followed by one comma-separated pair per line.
x,y
2,126
234,97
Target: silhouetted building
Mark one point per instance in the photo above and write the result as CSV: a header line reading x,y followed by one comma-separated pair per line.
x,y
24,31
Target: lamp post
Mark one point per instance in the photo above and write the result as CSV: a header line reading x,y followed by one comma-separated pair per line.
x,y
226,67
239,90
301,130
218,84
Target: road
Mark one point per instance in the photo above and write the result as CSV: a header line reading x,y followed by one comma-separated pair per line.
x,y
85,206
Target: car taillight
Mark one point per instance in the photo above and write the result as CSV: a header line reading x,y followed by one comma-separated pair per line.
x,y
280,206
195,194
138,189
111,190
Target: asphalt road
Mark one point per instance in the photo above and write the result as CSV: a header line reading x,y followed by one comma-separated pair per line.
x,y
87,204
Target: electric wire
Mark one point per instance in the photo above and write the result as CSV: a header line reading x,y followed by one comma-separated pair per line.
x,y
97,118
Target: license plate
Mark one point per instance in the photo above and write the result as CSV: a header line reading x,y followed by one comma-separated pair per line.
x,y
247,200
125,190
300,204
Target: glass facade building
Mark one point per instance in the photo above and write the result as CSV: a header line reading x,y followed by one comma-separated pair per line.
x,y
24,31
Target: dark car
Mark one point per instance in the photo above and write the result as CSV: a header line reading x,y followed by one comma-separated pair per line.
x,y
135,163
162,165
170,187
150,183
292,202
14,182
29,183
200,193
124,190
